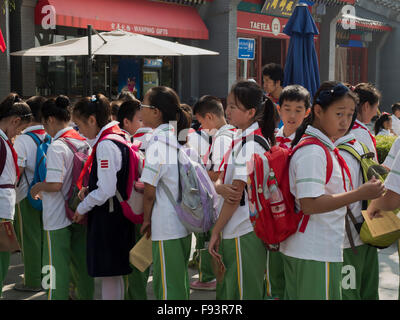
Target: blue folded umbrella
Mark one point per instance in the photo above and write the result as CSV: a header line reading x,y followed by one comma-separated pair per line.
x,y
301,61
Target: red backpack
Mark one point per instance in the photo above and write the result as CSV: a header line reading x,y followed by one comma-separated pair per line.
x,y
272,205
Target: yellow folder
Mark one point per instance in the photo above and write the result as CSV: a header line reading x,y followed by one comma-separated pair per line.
x,y
141,254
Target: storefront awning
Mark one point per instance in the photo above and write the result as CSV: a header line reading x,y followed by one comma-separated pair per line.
x,y
361,23
140,16
2,43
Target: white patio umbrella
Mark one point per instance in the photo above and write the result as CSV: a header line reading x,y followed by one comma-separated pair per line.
x,y
117,42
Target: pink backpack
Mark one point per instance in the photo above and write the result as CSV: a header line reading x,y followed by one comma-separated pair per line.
x,y
80,157
132,207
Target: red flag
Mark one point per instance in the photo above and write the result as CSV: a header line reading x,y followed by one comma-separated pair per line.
x,y
2,43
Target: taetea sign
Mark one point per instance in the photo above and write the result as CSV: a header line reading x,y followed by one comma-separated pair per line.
x,y
246,48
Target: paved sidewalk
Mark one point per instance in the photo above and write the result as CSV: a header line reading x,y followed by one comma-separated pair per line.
x,y
388,280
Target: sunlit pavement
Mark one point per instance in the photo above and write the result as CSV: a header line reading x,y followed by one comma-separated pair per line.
x,y
388,280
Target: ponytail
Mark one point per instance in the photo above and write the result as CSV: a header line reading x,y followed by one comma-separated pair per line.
x,y
300,130
267,120
183,123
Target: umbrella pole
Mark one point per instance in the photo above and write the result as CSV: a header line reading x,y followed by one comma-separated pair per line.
x,y
89,27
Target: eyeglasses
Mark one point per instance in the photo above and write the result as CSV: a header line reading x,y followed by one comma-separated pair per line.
x,y
146,106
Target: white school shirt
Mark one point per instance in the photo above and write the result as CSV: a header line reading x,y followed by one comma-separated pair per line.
x,y
395,125
199,142
59,164
324,235
362,135
357,180
161,165
392,181
394,151
221,143
384,132
279,133
240,224
8,176
143,135
109,152
26,149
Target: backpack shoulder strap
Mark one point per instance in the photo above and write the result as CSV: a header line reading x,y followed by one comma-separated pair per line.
x,y
3,155
70,145
35,138
350,150
258,139
329,163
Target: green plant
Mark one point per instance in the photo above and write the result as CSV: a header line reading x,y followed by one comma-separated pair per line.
x,y
9,3
383,145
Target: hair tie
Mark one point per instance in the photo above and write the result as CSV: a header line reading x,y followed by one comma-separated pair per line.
x,y
325,96
93,98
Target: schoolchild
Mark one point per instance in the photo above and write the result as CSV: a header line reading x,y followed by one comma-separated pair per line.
x,y
394,150
360,261
15,116
391,200
110,235
369,97
313,255
383,125
28,220
161,111
210,114
396,118
128,117
64,249
242,252
129,122
294,106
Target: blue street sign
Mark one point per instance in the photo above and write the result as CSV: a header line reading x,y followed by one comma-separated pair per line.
x,y
246,48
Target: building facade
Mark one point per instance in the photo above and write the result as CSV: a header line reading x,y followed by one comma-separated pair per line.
x,y
356,43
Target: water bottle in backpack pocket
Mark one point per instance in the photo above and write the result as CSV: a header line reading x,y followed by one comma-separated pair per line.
x,y
40,167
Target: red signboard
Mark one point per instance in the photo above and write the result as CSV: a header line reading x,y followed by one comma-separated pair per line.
x,y
261,25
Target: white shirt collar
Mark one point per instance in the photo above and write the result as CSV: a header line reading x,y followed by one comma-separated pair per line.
x,y
59,133
33,128
108,125
144,130
250,129
3,135
348,137
321,136
280,134
164,129
361,124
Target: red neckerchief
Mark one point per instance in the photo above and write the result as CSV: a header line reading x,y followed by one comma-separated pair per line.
x,y
357,126
38,131
342,164
73,134
88,165
276,101
282,142
15,156
138,135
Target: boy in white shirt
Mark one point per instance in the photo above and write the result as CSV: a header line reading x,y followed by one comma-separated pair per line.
x,y
294,107
28,220
210,113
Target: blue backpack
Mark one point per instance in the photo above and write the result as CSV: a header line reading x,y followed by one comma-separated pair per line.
x,y
40,167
